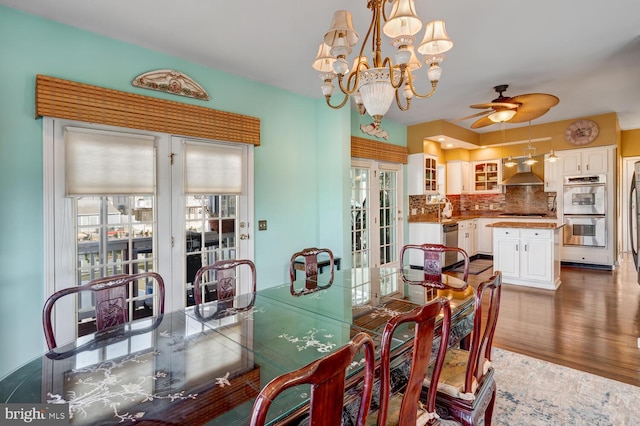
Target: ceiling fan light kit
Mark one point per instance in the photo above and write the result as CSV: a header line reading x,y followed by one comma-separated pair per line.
x,y
502,115
374,82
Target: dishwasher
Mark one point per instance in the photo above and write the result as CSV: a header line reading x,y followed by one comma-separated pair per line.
x,y
450,239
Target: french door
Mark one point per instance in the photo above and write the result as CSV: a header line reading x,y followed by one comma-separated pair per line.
x,y
127,201
376,213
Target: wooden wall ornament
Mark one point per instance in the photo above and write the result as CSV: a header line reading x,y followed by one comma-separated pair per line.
x,y
171,81
374,129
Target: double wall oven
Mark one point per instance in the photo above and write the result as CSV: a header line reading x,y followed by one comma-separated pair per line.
x,y
584,204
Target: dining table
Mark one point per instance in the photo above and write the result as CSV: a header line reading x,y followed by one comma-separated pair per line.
x,y
206,364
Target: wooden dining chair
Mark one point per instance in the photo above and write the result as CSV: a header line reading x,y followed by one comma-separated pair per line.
x,y
310,256
432,261
466,388
112,297
403,406
327,377
225,276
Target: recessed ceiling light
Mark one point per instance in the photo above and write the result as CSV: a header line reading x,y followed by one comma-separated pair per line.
x,y
440,139
483,146
449,145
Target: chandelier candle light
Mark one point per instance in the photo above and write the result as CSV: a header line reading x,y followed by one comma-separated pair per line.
x,y
375,81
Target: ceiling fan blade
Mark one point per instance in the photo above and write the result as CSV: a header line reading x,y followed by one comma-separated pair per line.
x,y
535,101
522,116
473,116
509,105
483,122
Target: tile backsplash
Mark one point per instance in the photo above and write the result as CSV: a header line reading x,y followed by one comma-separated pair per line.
x,y
515,199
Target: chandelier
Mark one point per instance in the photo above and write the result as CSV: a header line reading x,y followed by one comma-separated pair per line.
x,y
375,81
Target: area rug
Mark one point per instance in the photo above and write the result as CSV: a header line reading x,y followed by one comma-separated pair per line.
x,y
476,266
532,392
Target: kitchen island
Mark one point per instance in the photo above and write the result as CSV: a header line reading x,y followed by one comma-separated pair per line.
x,y
527,253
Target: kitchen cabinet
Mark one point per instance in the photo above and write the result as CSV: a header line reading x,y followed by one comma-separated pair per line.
x,y
423,233
457,177
552,177
484,236
467,237
529,257
422,170
583,161
486,176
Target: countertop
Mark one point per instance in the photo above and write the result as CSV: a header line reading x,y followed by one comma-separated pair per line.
x,y
529,225
455,219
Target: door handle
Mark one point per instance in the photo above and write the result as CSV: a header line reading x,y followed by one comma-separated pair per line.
x,y
244,237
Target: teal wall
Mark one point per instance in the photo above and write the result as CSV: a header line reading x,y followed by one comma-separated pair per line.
x,y
301,168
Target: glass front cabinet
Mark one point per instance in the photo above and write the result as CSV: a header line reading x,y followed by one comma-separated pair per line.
x,y
423,174
486,176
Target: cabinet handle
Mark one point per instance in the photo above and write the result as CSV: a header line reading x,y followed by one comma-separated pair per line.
x,y
516,247
525,247
578,167
587,167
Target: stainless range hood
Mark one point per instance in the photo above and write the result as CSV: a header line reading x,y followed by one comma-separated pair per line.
x,y
523,176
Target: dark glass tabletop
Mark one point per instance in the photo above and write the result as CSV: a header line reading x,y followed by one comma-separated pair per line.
x,y
208,363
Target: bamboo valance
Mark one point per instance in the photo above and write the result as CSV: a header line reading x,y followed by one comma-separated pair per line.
x,y
374,150
77,101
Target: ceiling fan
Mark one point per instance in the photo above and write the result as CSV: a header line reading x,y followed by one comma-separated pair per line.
x,y
516,109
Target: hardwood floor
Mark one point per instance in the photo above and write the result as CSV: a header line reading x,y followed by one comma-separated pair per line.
x,y
590,323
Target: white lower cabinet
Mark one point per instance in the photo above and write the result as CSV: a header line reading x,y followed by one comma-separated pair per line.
x,y
423,233
484,236
527,256
467,237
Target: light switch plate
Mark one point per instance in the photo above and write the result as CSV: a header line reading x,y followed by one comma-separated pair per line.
x,y
262,225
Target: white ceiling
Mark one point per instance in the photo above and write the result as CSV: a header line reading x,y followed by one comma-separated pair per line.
x,y
586,52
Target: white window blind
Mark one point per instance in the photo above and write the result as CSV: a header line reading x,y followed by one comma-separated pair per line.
x,y
212,169
108,163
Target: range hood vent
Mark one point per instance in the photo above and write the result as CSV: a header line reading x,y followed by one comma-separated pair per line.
x,y
523,176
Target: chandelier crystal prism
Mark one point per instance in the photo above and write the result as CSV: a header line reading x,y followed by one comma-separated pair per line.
x,y
375,81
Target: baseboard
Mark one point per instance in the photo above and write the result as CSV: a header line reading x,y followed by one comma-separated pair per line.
x,y
587,266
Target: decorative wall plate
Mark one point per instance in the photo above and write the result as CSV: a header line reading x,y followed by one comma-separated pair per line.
x,y
581,132
171,81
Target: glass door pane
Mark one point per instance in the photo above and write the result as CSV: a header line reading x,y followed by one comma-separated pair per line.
x,y
360,217
115,235
388,223
210,236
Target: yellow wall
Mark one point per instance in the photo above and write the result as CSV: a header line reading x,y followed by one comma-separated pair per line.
x,y
628,142
418,133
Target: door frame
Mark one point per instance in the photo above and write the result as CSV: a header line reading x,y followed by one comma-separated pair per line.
x,y
58,253
373,238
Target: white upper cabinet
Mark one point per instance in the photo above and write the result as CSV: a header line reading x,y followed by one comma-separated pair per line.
x,y
583,161
486,176
552,178
422,170
457,177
